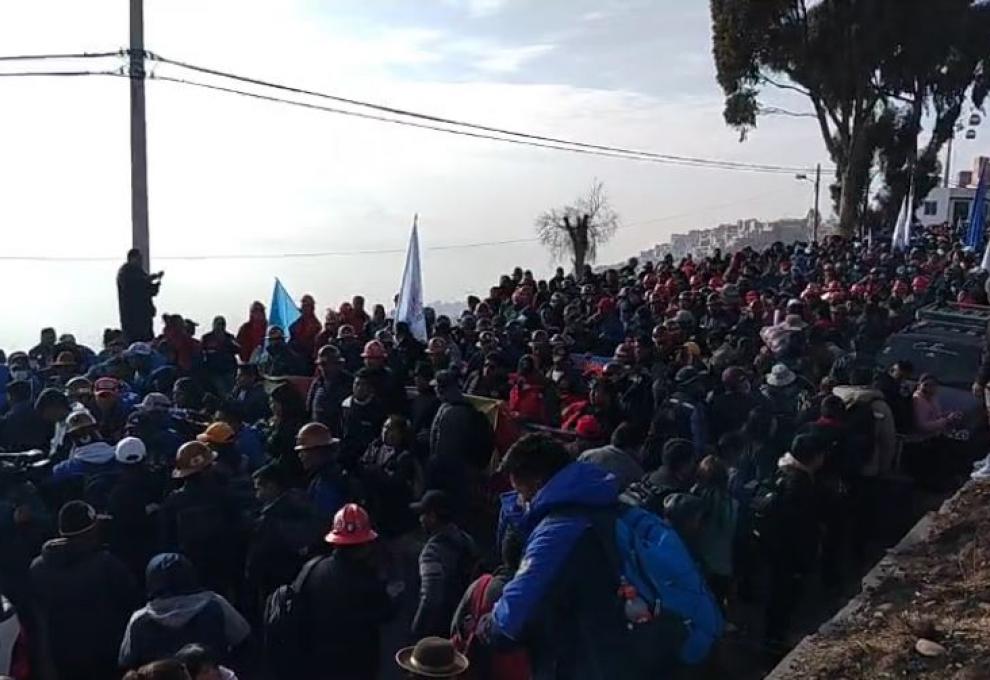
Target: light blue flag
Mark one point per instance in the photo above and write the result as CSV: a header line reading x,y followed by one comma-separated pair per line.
x,y
978,212
410,306
283,311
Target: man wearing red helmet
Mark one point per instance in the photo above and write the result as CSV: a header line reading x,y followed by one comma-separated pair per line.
x,y
343,605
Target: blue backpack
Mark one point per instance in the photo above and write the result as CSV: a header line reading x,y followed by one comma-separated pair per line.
x,y
653,560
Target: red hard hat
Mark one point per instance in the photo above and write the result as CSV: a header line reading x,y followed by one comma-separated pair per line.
x,y
374,350
697,281
351,526
588,427
920,284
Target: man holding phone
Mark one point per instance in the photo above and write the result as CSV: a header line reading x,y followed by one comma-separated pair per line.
x,y
135,291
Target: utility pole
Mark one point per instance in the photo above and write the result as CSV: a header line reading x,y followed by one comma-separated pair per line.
x,y
139,139
948,163
818,215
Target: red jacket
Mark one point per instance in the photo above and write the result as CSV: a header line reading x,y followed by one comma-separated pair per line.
x,y
526,402
302,335
187,349
250,336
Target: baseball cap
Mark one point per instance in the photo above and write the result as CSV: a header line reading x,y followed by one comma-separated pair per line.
x,y
217,433
155,401
138,349
106,386
130,450
435,501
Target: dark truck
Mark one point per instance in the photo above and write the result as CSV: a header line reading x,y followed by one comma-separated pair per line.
x,y
947,341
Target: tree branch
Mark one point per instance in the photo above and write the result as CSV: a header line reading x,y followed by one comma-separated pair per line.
x,y
785,86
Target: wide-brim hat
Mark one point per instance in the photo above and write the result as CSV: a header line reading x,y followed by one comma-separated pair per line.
x,y
432,658
206,460
65,360
781,376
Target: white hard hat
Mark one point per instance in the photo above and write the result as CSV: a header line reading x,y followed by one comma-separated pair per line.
x,y
130,450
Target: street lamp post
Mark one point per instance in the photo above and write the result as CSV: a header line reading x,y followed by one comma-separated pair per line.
x,y
818,185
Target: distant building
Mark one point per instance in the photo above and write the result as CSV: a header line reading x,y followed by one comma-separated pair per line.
x,y
951,204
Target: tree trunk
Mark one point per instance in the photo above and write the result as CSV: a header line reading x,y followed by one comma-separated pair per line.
x,y
580,253
855,177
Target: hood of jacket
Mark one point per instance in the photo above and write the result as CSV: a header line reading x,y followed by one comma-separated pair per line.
x,y
94,452
578,484
177,611
64,552
850,394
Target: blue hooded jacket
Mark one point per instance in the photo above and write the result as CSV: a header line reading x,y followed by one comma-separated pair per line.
x,y
549,539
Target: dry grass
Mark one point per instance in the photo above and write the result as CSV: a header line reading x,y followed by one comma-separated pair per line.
x,y
940,591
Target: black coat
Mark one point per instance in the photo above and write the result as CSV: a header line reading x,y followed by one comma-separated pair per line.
x,y
388,389
202,521
325,400
86,597
132,506
800,521
22,429
344,607
253,401
281,537
135,290
362,424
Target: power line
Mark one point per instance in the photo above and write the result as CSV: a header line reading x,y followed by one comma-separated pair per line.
x,y
686,160
474,126
63,55
57,74
463,133
510,136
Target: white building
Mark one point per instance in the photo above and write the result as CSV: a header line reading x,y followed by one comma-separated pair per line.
x,y
946,204
951,204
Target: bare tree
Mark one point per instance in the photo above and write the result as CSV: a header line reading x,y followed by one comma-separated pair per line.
x,y
576,231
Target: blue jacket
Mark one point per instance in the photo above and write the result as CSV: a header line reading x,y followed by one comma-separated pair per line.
x,y
562,602
250,444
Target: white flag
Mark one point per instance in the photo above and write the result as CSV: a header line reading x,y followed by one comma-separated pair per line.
x,y
410,306
902,231
985,262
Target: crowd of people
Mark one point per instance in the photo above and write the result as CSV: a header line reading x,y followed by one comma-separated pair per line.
x,y
266,502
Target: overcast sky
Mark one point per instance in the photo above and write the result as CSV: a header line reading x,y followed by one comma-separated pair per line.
x,y
229,175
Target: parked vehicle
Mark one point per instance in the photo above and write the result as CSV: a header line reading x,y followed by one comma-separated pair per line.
x,y
946,341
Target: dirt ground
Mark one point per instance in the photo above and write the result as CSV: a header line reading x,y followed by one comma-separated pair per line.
x,y
937,591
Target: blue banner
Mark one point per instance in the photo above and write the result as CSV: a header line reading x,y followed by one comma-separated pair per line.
x,y
283,311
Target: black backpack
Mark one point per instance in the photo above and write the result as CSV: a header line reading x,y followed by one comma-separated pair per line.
x,y
861,428
765,509
284,624
647,495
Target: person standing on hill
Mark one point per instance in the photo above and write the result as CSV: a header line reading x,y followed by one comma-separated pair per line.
x,y
135,290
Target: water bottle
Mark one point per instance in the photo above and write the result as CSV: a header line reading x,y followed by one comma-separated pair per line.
x,y
636,609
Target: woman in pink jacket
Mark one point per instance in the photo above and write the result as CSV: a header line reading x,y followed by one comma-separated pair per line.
x,y
929,419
